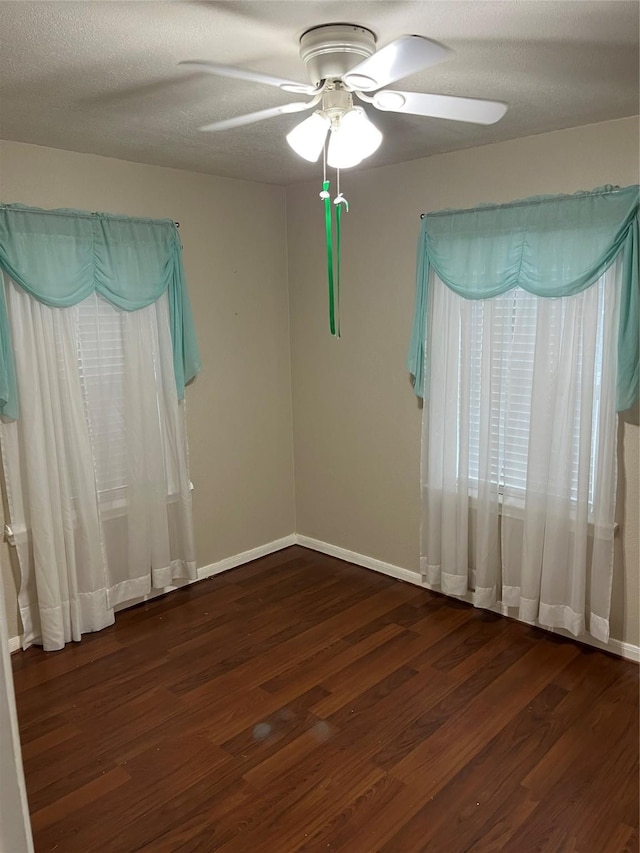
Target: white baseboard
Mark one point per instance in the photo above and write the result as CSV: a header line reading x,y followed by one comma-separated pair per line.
x,y
360,560
15,643
246,557
616,647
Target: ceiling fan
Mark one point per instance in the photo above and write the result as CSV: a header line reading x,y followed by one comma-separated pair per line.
x,y
342,62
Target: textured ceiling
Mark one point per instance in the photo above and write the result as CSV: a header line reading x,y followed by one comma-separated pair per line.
x,y
102,77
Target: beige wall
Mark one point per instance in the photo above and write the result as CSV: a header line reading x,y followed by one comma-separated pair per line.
x,y
239,407
356,421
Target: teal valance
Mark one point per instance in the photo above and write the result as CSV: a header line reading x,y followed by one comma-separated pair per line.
x,y
62,256
551,246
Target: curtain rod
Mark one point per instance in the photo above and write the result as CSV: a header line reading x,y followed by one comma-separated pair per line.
x,y
524,202
81,215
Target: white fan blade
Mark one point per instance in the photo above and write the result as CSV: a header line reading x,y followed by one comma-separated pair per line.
x,y
251,76
472,110
399,59
260,115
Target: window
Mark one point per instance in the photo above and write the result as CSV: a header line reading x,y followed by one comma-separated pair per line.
x,y
96,465
101,363
506,327
521,394
95,454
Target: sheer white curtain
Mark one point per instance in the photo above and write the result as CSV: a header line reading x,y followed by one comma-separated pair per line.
x,y
519,452
96,466
15,828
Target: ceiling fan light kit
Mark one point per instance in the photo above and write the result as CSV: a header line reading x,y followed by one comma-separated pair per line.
x,y
352,137
307,138
342,60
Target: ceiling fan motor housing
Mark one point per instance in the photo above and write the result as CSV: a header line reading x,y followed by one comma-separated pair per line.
x,y
332,50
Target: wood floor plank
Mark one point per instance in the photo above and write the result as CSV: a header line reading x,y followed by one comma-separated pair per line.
x,y
288,721
307,815
453,696
62,733
294,647
348,683
618,841
472,631
303,703
581,708
325,662
405,615
473,802
633,843
41,669
303,793
460,738
141,807
78,799
343,829
495,833
566,806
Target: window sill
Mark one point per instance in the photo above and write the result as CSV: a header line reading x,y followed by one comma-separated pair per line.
x,y
517,511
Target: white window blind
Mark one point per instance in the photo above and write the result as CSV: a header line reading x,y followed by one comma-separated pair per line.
x,y
101,363
504,335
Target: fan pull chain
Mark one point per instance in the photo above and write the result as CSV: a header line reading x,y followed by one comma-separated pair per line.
x,y
326,196
338,201
333,278
324,160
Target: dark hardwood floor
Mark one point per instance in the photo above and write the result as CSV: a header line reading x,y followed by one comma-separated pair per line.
x,y
302,703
